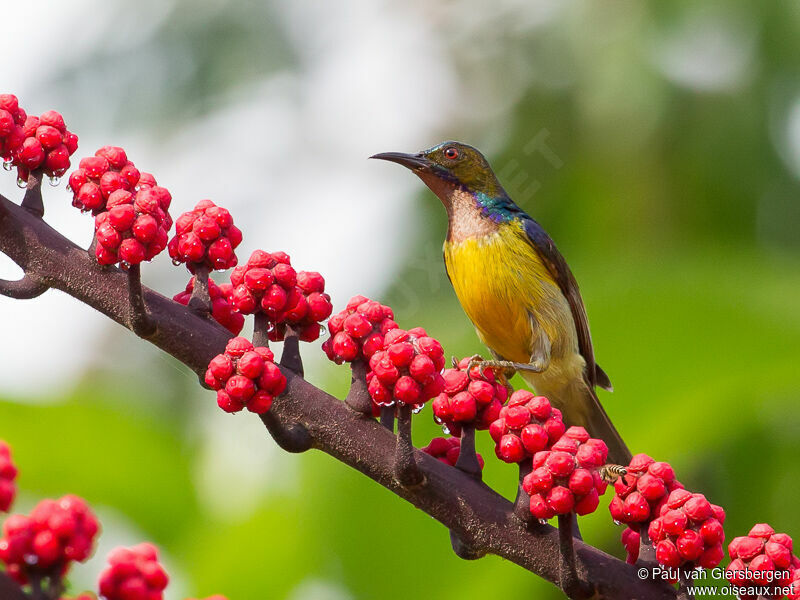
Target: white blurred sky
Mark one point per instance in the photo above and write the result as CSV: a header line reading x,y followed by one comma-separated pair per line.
x,y
371,78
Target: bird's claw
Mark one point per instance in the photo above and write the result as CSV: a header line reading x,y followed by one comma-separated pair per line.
x,y
473,361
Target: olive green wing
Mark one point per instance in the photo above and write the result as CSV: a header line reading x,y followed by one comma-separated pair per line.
x,y
561,273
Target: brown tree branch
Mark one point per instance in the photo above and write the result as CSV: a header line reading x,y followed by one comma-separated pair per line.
x,y
22,289
479,516
10,589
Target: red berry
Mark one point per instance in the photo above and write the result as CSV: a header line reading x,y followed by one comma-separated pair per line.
x,y
407,390
49,137
698,509
667,554
635,508
589,503
463,407
674,522
131,251
260,402
534,437
237,346
31,154
250,364
510,449
560,500
711,557
53,119
581,482
640,462
651,487
227,403
560,463
690,545
540,509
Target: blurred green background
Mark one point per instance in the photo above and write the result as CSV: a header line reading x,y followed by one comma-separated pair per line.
x,y
658,143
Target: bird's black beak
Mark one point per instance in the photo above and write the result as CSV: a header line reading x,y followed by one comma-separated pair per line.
x,y
415,162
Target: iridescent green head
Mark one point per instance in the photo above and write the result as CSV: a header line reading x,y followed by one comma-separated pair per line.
x,y
451,164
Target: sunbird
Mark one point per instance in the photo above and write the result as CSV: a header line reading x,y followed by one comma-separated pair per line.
x,y
515,287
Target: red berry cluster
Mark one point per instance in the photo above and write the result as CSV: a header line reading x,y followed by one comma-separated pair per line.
x,y
135,226
56,533
446,450
205,235
99,176
688,530
221,309
643,490
245,376
525,426
567,478
8,473
762,558
268,284
639,496
357,332
30,143
133,574
407,369
473,398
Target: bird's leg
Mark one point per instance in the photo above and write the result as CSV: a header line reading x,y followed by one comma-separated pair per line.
x,y
538,362
507,367
499,366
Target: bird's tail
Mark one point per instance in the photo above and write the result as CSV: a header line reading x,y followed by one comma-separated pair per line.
x,y
580,406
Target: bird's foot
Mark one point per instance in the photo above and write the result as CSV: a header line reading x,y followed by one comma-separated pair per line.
x,y
499,368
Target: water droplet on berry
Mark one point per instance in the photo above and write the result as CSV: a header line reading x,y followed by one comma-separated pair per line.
x,y
445,430
417,408
8,164
542,521
176,262
617,522
125,265
21,183
54,181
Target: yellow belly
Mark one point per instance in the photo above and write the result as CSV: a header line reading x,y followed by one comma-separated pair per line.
x,y
502,285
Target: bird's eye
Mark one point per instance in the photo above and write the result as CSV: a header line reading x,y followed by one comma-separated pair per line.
x,y
451,153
